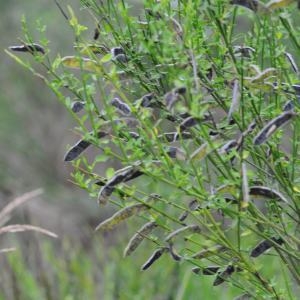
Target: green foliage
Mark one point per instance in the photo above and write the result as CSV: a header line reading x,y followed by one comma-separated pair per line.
x,y
186,99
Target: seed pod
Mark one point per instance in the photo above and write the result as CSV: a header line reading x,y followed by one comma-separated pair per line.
x,y
209,252
174,136
122,107
193,205
263,75
245,51
180,90
187,123
274,4
265,245
121,216
147,100
96,32
228,147
77,106
80,146
173,253
81,63
138,237
245,296
28,48
288,106
211,270
272,126
253,5
116,51
190,228
221,277
123,175
177,153
292,62
154,257
266,192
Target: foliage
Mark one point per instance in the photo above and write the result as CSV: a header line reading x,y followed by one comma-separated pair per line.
x,y
188,100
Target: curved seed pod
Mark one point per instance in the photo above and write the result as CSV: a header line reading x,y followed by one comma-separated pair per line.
x,y
154,257
209,252
96,32
187,123
123,175
77,106
190,228
174,136
117,51
235,102
81,63
292,62
228,147
211,270
139,236
274,4
245,51
28,48
272,126
263,75
205,149
221,277
253,5
180,90
121,106
121,215
80,146
173,253
288,106
177,153
245,296
193,205
265,245
266,192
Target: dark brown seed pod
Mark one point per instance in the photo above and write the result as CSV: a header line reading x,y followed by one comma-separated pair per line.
x,y
225,149
264,191
288,106
187,123
193,205
272,126
245,296
28,48
265,245
253,5
222,276
121,216
180,90
189,228
292,62
177,153
170,99
137,238
210,270
123,175
244,51
173,253
154,257
175,136
147,100
77,106
122,107
96,32
80,146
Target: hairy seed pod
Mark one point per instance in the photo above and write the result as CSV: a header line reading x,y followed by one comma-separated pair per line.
x,y
265,245
177,153
137,238
292,62
288,106
121,216
253,5
123,175
77,106
170,99
122,107
154,257
228,147
189,228
173,253
245,187
193,205
235,102
275,4
272,126
187,123
264,191
245,296
244,51
80,146
174,136
28,48
222,276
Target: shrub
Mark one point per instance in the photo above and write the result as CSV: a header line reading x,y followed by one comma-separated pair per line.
x,y
188,100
